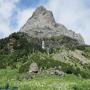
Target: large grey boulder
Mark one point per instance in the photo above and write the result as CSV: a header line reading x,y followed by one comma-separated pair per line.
x,y
55,72
33,68
42,24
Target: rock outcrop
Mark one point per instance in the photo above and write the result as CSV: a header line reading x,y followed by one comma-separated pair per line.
x,y
42,24
53,71
34,68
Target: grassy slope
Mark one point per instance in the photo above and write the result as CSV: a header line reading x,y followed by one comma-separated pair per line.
x,y
23,56
69,82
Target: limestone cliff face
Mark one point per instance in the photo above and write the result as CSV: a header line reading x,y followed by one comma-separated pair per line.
x,y
42,24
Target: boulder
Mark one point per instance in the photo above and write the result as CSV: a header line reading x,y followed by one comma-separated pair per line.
x,y
60,73
55,72
34,68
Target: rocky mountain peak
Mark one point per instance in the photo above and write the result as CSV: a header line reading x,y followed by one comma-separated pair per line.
x,y
42,24
45,14
40,10
42,17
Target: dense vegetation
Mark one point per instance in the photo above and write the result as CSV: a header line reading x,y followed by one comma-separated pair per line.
x,y
43,82
18,46
19,50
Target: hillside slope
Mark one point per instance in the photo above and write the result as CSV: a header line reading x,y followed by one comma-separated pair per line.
x,y
61,55
20,50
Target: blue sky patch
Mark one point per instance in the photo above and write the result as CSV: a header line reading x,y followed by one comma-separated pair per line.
x,y
23,4
13,20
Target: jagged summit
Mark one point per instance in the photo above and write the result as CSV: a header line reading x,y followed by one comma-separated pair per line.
x,y
42,24
40,18
44,15
40,10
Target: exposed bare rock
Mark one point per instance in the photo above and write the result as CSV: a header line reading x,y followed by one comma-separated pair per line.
x,y
11,45
53,71
34,68
79,55
68,56
42,24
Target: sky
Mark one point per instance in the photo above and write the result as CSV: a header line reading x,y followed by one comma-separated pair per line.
x,y
74,14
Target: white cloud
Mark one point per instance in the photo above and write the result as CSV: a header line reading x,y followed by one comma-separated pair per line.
x,y
6,10
23,16
73,14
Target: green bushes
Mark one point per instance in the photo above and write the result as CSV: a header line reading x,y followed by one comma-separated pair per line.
x,y
84,86
72,70
24,67
28,50
44,82
43,61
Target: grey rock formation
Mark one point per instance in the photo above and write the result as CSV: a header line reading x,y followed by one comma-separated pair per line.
x,y
33,68
42,24
55,72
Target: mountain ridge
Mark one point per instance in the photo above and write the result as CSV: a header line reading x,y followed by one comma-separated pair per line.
x,y
42,24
